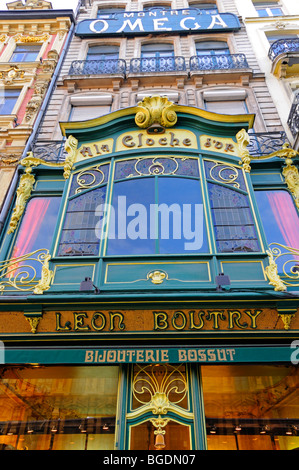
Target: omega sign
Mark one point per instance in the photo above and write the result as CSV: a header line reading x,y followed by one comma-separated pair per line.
x,y
158,20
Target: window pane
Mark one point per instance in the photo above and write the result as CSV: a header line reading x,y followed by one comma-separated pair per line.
x,y
58,408
130,221
181,216
8,99
169,219
253,396
36,230
25,53
233,223
280,221
81,230
102,53
226,107
38,225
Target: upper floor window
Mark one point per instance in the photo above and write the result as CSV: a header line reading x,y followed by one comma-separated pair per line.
x,y
8,99
157,50
268,9
276,37
211,48
102,53
25,53
210,8
105,13
156,5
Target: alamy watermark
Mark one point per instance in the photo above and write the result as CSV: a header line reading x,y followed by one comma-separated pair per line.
x,y
2,353
163,221
295,353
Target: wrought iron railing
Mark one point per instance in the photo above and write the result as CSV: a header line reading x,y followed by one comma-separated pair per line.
x,y
158,64
98,67
264,143
293,119
283,46
218,62
52,151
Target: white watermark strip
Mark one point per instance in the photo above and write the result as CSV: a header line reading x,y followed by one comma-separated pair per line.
x,y
2,353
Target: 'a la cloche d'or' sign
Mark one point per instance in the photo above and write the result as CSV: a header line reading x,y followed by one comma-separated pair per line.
x,y
157,21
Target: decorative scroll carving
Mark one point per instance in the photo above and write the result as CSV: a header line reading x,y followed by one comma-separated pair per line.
x,y
20,38
71,146
155,110
291,176
21,274
23,193
12,74
272,274
159,391
243,141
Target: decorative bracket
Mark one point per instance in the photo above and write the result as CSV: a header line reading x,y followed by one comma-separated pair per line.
x,y
243,141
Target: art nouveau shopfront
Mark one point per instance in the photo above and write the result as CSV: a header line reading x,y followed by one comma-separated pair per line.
x,y
148,340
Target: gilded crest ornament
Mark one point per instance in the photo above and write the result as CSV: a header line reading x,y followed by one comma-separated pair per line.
x,y
155,110
24,190
157,277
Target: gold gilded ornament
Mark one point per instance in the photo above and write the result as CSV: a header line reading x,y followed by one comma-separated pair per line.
x,y
155,110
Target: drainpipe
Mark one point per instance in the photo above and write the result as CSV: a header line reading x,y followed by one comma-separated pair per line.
x,y
13,185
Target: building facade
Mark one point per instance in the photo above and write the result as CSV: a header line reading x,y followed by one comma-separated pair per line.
x,y
32,39
273,32
149,273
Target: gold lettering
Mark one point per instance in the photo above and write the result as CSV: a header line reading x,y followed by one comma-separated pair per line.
x,y
160,320
234,317
120,317
184,320
149,142
253,317
79,321
66,327
173,140
215,316
95,317
187,142
193,326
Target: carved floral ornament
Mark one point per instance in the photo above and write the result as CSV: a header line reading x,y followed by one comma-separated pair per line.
x,y
11,75
31,38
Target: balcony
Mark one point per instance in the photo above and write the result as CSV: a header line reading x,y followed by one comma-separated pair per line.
x,y
147,68
227,64
284,54
264,143
95,72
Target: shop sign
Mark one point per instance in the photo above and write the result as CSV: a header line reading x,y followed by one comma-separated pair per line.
x,y
151,322
209,355
158,21
172,139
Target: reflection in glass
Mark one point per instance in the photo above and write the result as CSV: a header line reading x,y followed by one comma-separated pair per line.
x,y
59,408
157,215
280,219
251,407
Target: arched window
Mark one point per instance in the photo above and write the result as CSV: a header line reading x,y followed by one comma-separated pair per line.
x,y
157,57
